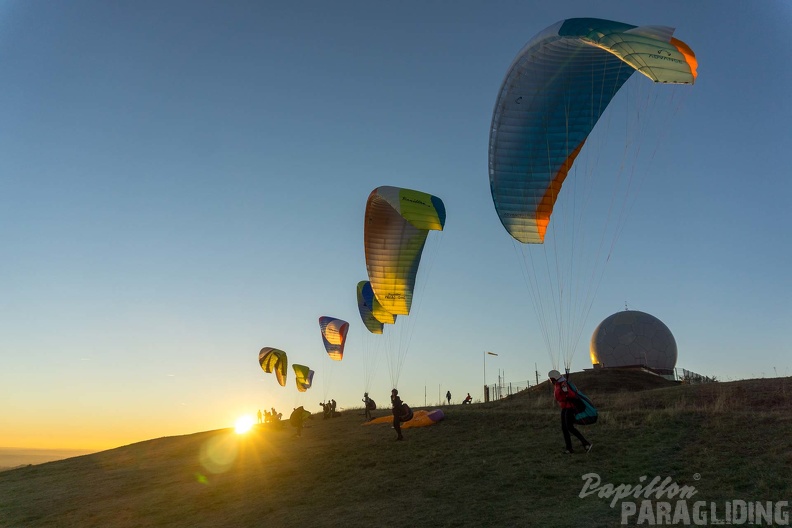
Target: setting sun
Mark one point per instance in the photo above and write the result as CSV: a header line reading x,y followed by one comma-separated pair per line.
x,y
244,424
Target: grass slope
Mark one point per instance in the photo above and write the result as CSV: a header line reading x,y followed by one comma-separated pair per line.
x,y
485,465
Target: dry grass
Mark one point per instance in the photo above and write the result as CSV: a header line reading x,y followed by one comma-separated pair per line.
x,y
485,465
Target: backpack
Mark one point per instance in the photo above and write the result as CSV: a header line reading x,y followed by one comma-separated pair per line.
x,y
407,413
370,405
297,415
585,412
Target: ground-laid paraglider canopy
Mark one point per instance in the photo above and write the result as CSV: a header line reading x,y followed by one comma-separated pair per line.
x,y
420,419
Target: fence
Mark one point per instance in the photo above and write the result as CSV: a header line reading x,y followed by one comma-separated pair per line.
x,y
687,376
502,389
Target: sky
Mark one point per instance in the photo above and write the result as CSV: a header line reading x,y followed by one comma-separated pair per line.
x,y
183,183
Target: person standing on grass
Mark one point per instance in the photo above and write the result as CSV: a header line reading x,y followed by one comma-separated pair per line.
x,y
296,419
448,397
368,403
397,410
566,398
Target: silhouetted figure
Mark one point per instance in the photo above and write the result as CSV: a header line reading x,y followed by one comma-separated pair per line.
x,y
397,410
467,400
296,419
369,405
448,397
259,416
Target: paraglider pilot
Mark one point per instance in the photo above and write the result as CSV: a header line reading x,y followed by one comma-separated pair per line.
x,y
368,404
296,419
397,405
566,397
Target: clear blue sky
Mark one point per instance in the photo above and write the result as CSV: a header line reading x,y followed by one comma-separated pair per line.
x,y
183,183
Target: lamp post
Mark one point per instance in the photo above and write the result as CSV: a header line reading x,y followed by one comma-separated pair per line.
x,y
485,372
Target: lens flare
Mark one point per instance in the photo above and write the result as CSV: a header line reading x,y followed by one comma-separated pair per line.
x,y
219,453
244,424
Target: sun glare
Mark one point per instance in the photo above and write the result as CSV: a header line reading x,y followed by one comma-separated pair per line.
x,y
244,424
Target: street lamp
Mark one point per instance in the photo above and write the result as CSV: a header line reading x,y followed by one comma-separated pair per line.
x,y
485,372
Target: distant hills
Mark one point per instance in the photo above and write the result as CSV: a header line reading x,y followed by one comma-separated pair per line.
x,y
14,457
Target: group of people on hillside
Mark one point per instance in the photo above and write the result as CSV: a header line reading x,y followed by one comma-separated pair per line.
x,y
269,416
329,409
564,393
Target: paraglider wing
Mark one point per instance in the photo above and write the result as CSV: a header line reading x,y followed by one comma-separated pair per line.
x,y
298,415
369,321
373,315
334,332
544,110
274,360
420,419
397,222
303,377
377,310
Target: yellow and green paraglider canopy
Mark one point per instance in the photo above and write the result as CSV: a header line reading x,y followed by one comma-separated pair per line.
x,y
303,377
397,222
274,360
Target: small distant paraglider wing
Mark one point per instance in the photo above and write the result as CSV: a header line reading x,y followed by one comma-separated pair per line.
x,y
274,360
396,225
303,377
544,111
334,332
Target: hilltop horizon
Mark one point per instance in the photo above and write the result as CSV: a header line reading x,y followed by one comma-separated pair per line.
x,y
499,463
601,381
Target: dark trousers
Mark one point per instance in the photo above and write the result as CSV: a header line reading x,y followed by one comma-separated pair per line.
x,y
397,426
568,426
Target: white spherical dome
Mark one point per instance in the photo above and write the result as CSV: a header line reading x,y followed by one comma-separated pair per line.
x,y
631,338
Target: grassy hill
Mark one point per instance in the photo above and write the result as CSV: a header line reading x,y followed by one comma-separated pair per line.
x,y
495,464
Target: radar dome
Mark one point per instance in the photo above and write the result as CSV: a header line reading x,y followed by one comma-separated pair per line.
x,y
634,339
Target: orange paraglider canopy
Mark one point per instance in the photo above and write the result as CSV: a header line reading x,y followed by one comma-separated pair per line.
x,y
420,419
